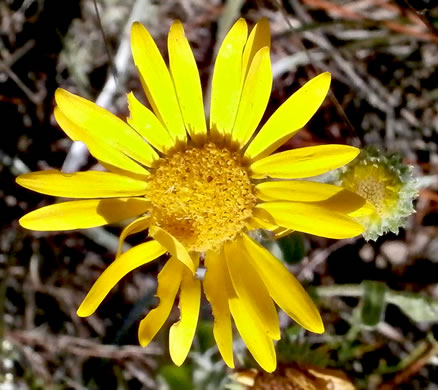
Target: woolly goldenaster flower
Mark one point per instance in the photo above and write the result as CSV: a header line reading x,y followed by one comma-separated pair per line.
x,y
199,189
387,184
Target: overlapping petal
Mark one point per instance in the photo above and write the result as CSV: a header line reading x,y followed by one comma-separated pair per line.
x,y
286,291
259,37
173,246
251,290
134,258
310,218
227,80
84,214
185,75
258,342
101,149
255,97
303,162
182,332
90,184
147,124
101,126
290,117
157,82
137,226
169,281
217,288
330,196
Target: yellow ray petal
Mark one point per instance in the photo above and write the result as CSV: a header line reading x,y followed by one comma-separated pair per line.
x,y
91,184
136,226
147,124
182,332
185,75
217,293
309,218
84,214
290,117
104,127
173,246
124,172
286,291
227,80
303,162
327,195
255,97
169,280
259,37
135,257
100,149
251,290
156,79
257,223
281,232
259,344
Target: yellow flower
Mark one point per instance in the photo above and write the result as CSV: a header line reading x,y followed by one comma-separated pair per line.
x,y
199,189
387,184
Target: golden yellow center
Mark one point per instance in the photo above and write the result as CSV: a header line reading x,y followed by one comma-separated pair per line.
x,y
374,184
374,191
202,196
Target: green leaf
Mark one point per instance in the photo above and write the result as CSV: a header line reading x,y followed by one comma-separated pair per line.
x,y
417,307
293,247
373,302
178,378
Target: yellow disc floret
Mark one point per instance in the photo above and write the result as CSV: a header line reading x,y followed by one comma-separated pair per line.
x,y
376,185
202,196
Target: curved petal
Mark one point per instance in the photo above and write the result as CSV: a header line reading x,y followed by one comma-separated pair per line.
x,y
185,75
134,258
284,289
259,344
100,149
309,218
281,232
327,195
173,246
84,214
136,226
182,332
227,80
303,162
156,79
251,290
255,97
169,281
101,126
147,125
290,117
90,184
217,293
257,223
259,37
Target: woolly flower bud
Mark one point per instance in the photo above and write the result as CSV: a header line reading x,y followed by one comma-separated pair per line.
x,y
386,183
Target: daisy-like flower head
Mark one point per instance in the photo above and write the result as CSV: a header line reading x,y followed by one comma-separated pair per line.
x,y
198,190
387,184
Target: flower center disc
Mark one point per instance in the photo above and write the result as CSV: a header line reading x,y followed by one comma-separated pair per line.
x,y
202,196
375,185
